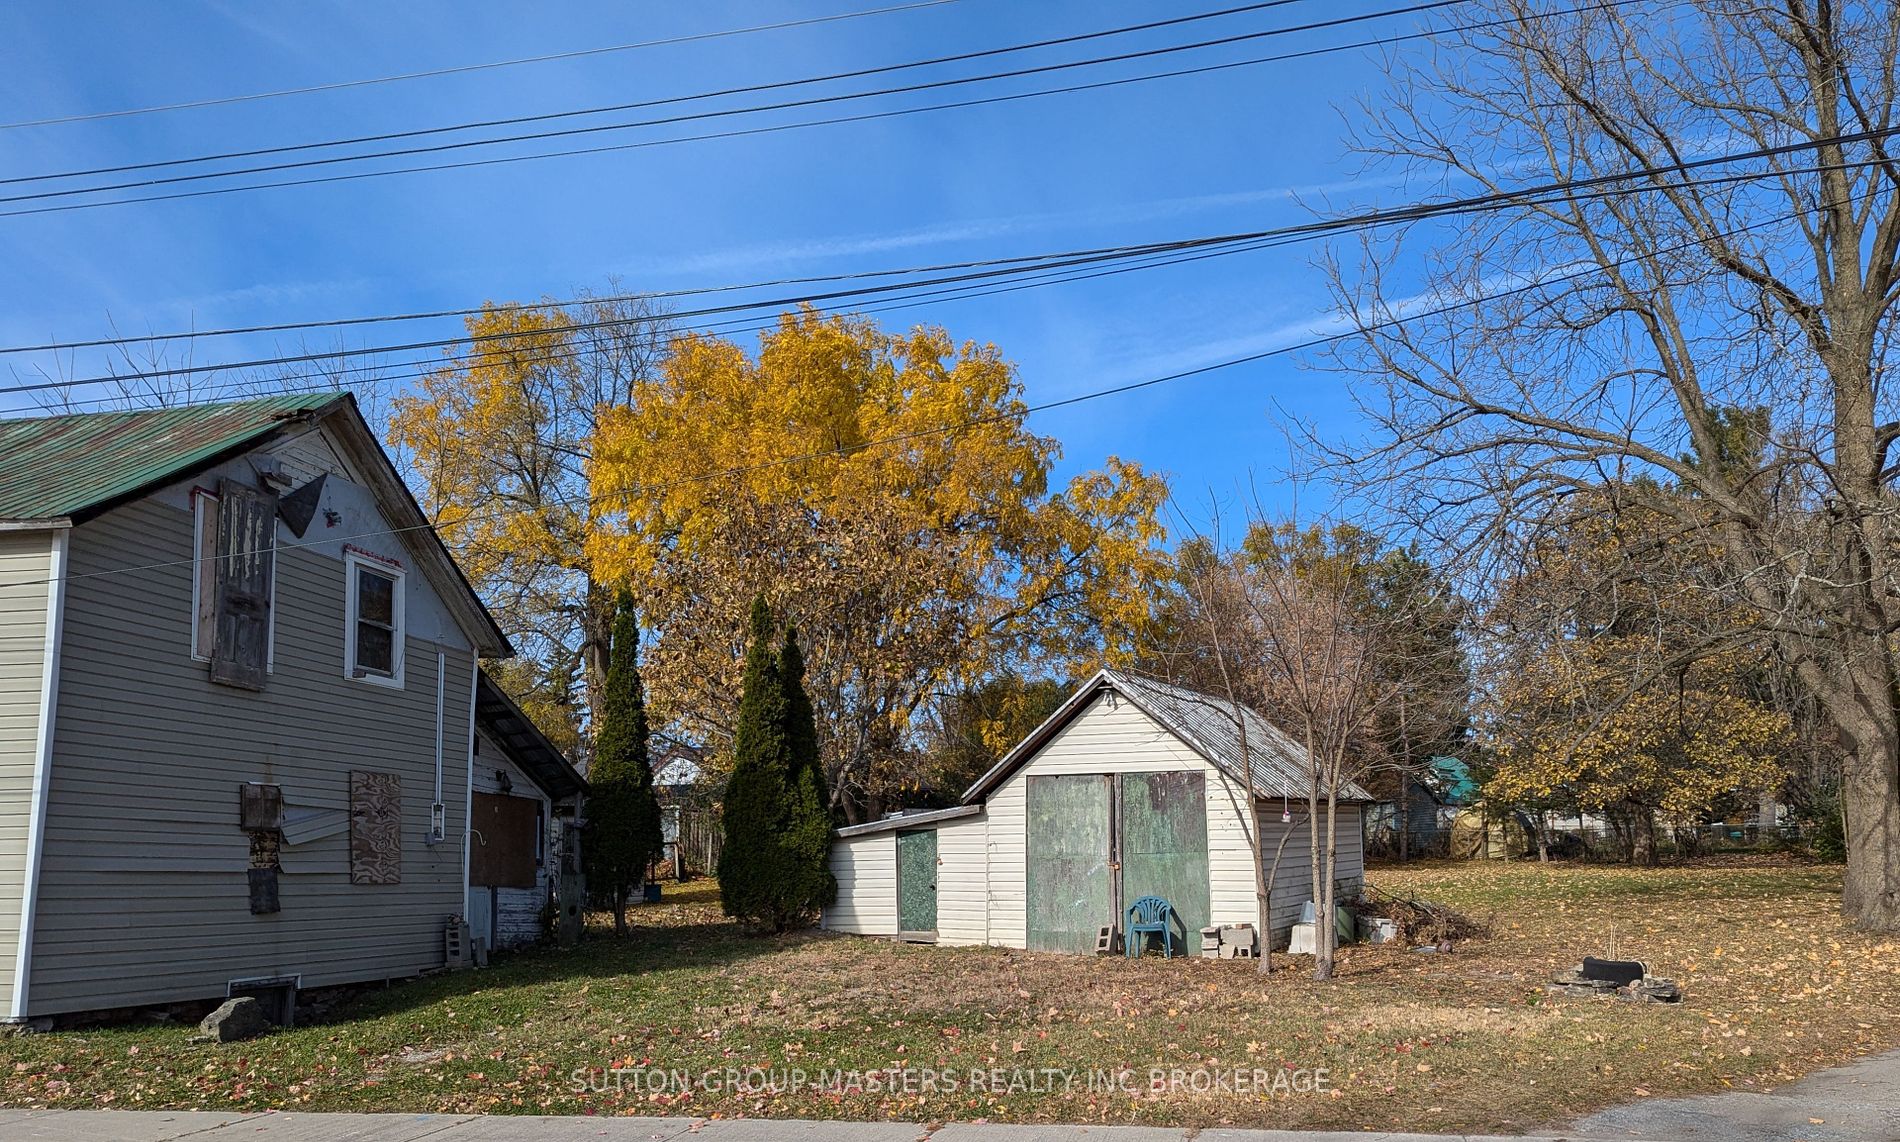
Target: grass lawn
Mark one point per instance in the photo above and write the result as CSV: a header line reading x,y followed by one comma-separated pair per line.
x,y
1776,986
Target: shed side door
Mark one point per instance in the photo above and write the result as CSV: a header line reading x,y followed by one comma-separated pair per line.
x,y
917,881
1164,845
1070,894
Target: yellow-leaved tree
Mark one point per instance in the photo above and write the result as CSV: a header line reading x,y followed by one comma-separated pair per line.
x,y
497,441
882,491
1616,689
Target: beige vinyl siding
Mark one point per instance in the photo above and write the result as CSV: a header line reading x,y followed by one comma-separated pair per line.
x,y
26,561
143,888
866,868
1293,879
962,881
1112,736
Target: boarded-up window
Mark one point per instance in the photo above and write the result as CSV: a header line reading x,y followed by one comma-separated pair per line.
x,y
375,828
502,852
245,545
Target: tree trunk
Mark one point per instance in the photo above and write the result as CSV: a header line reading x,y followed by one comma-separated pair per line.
x,y
1864,711
1326,939
597,624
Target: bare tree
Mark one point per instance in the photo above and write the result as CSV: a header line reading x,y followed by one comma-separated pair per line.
x,y
1719,334
1297,637
1318,668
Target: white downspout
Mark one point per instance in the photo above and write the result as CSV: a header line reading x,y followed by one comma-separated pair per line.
x,y
468,789
42,768
438,830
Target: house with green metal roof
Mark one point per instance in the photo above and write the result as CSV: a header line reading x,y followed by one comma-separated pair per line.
x,y
239,711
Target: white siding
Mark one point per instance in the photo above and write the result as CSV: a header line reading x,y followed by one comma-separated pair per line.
x,y
1293,880
962,881
1112,736
866,868
25,566
515,913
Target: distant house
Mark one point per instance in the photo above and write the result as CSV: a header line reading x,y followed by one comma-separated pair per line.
x,y
1413,813
239,692
1132,788
527,798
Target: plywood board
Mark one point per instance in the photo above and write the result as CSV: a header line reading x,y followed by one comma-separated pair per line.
x,y
375,828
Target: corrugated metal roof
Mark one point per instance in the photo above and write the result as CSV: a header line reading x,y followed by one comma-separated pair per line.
x,y
60,466
1208,724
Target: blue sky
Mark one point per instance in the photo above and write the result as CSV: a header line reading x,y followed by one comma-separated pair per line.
x,y
1244,149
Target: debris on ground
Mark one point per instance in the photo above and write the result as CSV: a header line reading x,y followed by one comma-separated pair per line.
x,y
1614,979
1420,922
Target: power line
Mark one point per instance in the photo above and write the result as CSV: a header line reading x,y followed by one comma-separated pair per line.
x,y
1361,328
1409,213
470,67
750,89
425,315
560,353
664,121
775,128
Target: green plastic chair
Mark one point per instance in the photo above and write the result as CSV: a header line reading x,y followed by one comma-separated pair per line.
x,y
1148,915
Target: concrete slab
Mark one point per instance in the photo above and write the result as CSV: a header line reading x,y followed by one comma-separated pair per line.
x,y
801,1130
294,1127
511,1128
116,1125
1050,1132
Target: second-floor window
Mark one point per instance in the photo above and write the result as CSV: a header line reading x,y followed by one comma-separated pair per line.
x,y
373,640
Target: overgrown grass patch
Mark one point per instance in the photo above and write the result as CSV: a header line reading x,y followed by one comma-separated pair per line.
x,y
1777,985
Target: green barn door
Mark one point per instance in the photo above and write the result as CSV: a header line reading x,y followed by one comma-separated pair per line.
x,y
1070,894
917,881
1164,847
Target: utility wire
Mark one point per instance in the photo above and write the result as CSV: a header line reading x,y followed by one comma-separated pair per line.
x,y
775,128
750,89
463,69
1490,201
427,315
560,353
1361,328
663,121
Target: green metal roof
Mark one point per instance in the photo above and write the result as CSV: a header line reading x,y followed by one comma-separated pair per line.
x,y
60,466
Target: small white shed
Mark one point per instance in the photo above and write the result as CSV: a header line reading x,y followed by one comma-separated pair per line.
x,y
1132,788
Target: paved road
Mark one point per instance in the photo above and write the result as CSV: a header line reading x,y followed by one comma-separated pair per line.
x,y
1856,1103
1859,1102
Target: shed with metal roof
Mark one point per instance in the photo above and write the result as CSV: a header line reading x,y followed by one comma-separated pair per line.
x,y
1133,787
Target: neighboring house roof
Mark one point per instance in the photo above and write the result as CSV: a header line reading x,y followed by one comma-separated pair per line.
x,y
1205,724
59,470
527,746
1453,779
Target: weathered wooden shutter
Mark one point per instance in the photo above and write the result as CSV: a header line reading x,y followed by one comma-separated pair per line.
x,y
247,529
